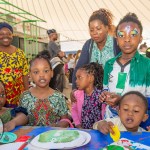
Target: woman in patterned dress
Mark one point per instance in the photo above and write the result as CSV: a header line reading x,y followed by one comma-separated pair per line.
x,y
13,66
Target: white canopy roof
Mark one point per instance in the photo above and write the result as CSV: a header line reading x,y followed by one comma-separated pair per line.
x,y
70,17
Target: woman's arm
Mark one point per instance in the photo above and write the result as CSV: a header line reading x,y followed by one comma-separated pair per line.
x,y
26,82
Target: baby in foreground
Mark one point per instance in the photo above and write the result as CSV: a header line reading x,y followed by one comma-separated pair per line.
x,y
132,111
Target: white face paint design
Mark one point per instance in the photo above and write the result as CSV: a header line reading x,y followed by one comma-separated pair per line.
x,y
128,29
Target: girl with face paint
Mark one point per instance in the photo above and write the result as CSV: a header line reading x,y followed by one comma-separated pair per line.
x,y
128,71
14,66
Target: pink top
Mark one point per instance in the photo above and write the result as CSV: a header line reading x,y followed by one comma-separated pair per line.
x,y
77,107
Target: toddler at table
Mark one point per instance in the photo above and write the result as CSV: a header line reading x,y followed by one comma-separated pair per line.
x,y
11,117
45,106
132,111
88,109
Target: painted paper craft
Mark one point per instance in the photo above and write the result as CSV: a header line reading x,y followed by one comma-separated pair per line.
x,y
126,144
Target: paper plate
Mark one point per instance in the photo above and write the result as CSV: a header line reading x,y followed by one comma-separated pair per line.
x,y
11,146
8,137
87,136
83,139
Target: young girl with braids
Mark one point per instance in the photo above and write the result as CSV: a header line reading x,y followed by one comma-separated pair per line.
x,y
102,46
88,109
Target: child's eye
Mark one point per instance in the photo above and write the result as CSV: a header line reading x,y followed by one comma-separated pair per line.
x,y
125,109
134,33
46,71
120,34
2,95
136,111
35,72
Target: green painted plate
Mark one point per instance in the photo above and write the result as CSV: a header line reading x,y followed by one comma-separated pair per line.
x,y
8,137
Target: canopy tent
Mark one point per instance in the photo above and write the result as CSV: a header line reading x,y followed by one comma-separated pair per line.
x,y
70,17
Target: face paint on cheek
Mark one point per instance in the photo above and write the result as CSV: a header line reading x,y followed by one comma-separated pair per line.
x,y
99,32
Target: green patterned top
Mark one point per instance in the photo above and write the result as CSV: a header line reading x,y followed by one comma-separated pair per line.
x,y
6,116
101,56
43,112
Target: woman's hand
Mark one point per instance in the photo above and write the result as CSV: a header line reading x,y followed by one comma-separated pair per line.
x,y
105,127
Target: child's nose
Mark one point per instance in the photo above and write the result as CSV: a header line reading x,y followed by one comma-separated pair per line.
x,y
41,74
127,38
130,113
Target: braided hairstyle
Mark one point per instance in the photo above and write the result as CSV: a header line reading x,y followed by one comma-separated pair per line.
x,y
104,15
97,71
130,17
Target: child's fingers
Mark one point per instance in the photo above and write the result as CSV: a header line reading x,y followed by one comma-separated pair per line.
x,y
103,95
110,124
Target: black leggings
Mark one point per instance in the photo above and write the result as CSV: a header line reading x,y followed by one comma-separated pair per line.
x,y
57,80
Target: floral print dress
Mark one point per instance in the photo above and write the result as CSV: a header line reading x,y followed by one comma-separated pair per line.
x,y
91,109
44,112
12,69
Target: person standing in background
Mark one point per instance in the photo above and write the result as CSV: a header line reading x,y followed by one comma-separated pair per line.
x,y
56,56
148,52
142,49
13,67
53,47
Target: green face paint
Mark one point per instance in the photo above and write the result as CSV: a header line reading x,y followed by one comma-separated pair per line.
x,y
120,33
127,31
134,32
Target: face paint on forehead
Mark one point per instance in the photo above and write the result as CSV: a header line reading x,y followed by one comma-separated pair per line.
x,y
128,29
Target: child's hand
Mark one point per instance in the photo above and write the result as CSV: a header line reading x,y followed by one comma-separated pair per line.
x,y
9,126
112,99
103,96
148,128
72,97
105,127
79,126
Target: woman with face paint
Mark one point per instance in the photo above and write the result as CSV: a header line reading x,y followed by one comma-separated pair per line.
x,y
128,71
13,66
101,46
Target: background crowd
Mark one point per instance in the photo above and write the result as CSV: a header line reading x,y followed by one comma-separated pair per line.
x,y
109,78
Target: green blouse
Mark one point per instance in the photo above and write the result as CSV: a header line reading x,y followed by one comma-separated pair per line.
x,y
43,112
101,56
